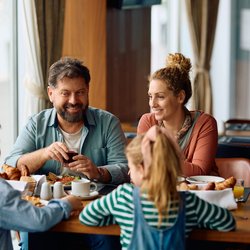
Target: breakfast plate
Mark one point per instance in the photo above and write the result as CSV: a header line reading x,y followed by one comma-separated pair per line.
x,y
92,195
181,178
65,179
66,186
199,179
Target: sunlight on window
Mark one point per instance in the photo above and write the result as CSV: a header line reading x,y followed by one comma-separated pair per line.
x,y
7,76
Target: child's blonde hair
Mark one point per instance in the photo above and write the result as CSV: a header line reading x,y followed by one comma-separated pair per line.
x,y
160,178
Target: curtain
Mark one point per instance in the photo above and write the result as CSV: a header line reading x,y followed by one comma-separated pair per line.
x,y
50,19
202,18
33,79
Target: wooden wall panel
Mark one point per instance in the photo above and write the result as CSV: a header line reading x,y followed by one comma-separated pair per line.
x,y
128,62
115,46
85,39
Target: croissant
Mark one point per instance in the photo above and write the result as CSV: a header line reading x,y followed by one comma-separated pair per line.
x,y
184,187
4,176
13,173
209,186
228,183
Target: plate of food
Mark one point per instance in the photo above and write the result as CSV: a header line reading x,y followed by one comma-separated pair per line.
x,y
219,193
200,179
36,201
208,186
65,179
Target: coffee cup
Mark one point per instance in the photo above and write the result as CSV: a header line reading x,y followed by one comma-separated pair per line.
x,y
82,187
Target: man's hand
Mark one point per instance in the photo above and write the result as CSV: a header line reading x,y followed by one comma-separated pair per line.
x,y
57,151
84,165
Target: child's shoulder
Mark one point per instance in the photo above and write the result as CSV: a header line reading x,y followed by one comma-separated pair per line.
x,y
126,188
125,191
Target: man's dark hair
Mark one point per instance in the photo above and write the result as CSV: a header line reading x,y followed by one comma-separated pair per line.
x,y
67,67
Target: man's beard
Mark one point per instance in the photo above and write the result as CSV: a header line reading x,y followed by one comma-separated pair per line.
x,y
76,117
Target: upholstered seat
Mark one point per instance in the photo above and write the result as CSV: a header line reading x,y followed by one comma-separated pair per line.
x,y
237,167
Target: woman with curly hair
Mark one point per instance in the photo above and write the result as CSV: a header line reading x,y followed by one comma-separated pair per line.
x,y
195,131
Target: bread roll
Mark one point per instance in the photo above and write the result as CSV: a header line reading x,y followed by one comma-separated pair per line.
x,y
27,179
182,186
192,187
36,201
4,176
13,173
209,186
228,183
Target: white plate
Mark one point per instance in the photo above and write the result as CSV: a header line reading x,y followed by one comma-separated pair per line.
x,y
181,179
65,186
199,179
92,195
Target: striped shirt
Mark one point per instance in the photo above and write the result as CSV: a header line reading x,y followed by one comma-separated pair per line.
x,y
118,208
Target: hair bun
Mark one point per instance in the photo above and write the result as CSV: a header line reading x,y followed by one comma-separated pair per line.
x,y
179,61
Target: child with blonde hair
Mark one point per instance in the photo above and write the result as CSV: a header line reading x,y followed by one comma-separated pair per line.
x,y
151,213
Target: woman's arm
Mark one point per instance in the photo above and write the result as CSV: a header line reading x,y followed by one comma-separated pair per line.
x,y
145,123
201,150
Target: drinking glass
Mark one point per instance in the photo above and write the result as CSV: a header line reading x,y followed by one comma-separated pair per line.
x,y
239,190
71,153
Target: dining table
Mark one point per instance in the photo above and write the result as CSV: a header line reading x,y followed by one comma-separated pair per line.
x,y
238,239
205,238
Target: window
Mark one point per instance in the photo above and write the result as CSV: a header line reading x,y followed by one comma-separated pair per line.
x,y
8,76
240,91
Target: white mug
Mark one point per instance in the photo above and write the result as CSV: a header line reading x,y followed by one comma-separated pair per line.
x,y
46,192
82,187
58,191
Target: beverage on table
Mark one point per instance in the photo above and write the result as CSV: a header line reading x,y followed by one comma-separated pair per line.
x,y
239,190
71,153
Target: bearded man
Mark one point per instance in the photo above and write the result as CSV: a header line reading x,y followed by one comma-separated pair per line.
x,y
46,139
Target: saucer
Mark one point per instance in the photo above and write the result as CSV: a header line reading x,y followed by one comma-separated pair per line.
x,y
92,195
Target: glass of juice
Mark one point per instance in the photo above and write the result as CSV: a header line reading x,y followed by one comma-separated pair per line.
x,y
71,153
239,190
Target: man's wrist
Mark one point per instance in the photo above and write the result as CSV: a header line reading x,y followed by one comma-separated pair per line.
x,y
103,175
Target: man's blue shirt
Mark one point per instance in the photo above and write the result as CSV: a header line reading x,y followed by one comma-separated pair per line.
x,y
102,141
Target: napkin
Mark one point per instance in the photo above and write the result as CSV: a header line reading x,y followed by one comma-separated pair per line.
x,y
223,198
18,185
40,179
